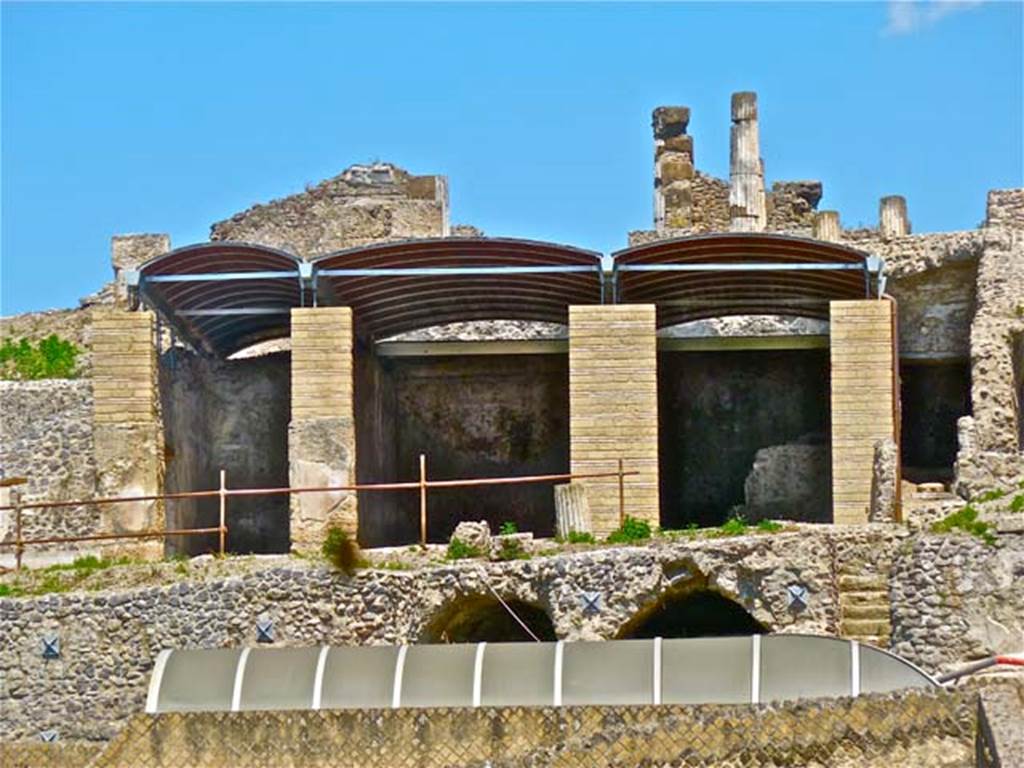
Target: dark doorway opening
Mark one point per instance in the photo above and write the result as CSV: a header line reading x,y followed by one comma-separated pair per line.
x,y
700,613
473,416
721,411
933,396
480,619
232,415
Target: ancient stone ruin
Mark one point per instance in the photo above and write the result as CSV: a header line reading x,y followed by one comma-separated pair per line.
x,y
748,360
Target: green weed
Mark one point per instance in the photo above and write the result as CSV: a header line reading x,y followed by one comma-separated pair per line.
x,y
50,358
966,520
508,528
460,550
631,530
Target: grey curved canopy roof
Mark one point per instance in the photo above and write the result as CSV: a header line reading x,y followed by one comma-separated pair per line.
x,y
726,670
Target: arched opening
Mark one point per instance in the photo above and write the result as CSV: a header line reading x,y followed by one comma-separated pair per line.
x,y
479,618
700,613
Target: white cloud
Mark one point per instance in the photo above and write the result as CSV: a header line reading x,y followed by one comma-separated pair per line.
x,y
906,16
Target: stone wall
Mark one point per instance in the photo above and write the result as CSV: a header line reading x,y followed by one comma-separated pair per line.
x,y
47,438
944,590
990,449
362,205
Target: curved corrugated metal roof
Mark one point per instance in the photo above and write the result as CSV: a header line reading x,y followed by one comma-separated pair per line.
x,y
411,284
223,296
722,670
692,278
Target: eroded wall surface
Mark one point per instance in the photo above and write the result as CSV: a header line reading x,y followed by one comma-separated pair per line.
x,y
363,204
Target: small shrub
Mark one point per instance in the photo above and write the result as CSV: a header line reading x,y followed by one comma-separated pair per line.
x,y
342,551
460,550
734,526
512,549
631,530
769,526
50,358
966,520
6,590
1017,503
508,528
580,537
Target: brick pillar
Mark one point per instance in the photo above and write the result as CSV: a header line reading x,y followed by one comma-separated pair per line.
x,y
862,400
321,436
613,407
127,434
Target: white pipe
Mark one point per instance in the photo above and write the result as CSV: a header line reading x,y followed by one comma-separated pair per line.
x,y
557,694
478,671
318,679
153,696
236,693
656,687
755,669
396,693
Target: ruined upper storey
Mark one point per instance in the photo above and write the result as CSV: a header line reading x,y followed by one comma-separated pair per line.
x,y
363,204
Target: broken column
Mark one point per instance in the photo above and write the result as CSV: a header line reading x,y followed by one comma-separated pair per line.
x,y
128,253
747,211
613,409
862,383
127,435
892,216
827,226
321,435
673,168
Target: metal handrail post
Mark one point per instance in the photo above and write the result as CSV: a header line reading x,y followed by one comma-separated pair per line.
x,y
223,510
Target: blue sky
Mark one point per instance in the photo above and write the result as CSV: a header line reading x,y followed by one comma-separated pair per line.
x,y
168,117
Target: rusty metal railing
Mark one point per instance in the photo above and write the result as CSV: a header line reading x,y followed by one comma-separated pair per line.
x,y
423,485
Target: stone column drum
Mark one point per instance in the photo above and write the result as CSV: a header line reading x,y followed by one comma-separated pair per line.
x,y
321,435
613,408
861,353
127,434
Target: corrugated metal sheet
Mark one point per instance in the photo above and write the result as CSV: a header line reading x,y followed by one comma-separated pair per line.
x,y
808,274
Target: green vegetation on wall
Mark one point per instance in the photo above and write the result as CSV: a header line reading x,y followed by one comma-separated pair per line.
x,y
50,358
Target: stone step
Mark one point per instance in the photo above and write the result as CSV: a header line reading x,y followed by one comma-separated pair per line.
x,y
877,612
858,628
863,582
864,597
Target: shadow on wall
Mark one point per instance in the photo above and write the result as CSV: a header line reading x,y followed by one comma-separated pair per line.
x,y
482,618
692,613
